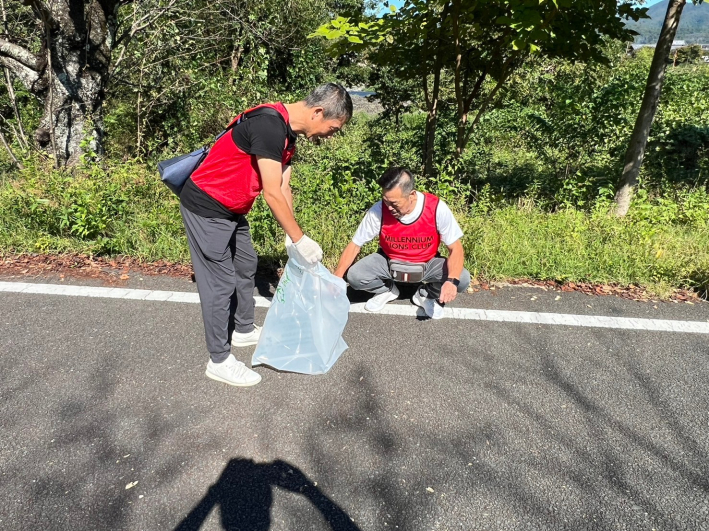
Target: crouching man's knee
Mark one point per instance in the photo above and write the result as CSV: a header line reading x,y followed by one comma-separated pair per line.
x,y
358,277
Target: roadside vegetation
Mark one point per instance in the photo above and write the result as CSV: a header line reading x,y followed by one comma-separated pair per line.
x,y
533,188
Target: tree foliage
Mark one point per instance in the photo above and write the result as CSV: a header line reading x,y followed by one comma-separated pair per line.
x,y
479,44
73,55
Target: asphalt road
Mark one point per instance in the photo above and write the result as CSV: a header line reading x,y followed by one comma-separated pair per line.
x,y
421,425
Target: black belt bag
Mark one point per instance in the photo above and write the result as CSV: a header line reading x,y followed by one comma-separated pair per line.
x,y
406,271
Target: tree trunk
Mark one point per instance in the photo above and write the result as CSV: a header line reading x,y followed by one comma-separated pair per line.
x,y
69,75
431,124
638,140
432,101
73,101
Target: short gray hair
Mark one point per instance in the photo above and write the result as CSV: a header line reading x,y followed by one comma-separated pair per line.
x,y
334,100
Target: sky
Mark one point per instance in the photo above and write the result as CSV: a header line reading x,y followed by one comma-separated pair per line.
x,y
399,3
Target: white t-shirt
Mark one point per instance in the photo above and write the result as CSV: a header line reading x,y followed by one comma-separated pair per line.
x,y
447,226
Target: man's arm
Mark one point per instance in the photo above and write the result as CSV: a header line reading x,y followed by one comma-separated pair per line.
x,y
454,263
346,259
274,186
285,187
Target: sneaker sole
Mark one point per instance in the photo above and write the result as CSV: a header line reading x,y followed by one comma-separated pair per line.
x,y
380,308
220,379
419,303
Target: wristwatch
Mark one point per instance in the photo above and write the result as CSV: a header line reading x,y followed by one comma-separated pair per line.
x,y
453,281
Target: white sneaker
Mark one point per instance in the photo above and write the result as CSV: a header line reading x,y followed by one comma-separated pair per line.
x,y
376,303
239,339
432,307
232,372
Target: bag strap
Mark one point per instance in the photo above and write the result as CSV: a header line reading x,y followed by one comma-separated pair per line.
x,y
260,111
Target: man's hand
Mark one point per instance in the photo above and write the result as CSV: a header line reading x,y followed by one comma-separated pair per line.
x,y
309,250
448,292
454,265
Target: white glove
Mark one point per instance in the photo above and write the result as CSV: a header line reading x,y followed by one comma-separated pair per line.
x,y
289,242
309,250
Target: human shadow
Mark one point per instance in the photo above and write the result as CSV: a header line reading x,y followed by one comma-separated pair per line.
x,y
244,494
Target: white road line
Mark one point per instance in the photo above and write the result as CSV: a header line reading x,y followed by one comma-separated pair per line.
x,y
594,321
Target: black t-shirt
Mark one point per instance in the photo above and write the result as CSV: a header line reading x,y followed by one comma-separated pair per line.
x,y
264,136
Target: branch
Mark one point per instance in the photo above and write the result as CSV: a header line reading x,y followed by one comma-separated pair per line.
x,y
19,54
476,90
110,6
507,68
44,11
145,21
13,100
9,150
26,75
151,18
485,104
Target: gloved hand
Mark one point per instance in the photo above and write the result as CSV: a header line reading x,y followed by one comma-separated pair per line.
x,y
309,250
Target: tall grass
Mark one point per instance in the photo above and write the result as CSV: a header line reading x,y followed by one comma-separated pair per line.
x,y
124,209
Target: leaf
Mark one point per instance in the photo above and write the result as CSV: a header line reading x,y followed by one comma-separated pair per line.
x,y
131,485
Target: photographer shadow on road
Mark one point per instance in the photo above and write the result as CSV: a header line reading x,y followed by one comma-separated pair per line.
x,y
244,494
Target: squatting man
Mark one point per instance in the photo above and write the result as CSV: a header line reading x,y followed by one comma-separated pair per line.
x,y
410,226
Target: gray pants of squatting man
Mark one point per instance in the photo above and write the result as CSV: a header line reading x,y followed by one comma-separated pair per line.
x,y
372,274
224,262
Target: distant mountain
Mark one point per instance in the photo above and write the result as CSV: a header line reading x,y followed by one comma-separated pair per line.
x,y
693,26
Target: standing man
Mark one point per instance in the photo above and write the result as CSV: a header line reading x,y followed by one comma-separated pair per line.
x,y
253,156
410,225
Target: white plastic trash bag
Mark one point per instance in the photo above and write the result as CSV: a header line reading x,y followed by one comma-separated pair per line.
x,y
303,327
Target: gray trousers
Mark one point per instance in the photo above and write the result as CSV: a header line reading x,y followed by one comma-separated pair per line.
x,y
371,274
224,262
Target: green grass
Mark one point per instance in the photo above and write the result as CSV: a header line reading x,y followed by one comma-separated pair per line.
x,y
580,247
124,209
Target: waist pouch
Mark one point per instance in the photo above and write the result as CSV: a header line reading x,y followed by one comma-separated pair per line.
x,y
406,271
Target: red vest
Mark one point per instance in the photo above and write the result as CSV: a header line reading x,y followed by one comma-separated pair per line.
x,y
230,175
416,242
